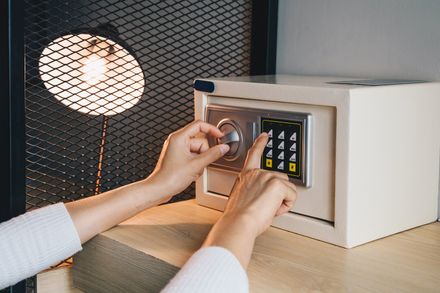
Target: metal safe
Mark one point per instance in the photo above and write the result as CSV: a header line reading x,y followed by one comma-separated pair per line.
x,y
364,154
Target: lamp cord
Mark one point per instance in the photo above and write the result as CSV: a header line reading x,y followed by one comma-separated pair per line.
x,y
101,154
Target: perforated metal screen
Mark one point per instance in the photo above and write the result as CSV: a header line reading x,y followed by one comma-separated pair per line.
x,y
173,41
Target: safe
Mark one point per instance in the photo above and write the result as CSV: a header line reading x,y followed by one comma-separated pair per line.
x,y
364,154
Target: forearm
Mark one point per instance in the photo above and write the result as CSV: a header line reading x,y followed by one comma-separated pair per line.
x,y
236,235
98,213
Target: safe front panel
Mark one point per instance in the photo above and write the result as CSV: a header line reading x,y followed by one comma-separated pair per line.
x,y
316,194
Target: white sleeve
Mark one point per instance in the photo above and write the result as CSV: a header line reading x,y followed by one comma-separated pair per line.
x,y
35,241
211,269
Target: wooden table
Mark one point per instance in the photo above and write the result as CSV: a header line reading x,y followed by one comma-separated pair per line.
x,y
144,252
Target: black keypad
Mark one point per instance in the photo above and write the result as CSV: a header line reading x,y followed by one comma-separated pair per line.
x,y
283,150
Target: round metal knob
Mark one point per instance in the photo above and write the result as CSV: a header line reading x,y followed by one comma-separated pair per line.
x,y
232,137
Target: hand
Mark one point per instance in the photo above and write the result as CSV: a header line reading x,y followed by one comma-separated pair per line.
x,y
184,156
259,195
256,198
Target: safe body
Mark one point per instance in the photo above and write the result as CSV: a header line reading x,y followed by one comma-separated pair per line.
x,y
365,159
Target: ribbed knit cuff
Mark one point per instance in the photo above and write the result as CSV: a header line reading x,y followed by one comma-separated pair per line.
x,y
35,241
211,269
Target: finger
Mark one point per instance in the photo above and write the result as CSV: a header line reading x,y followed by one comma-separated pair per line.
x,y
198,145
211,155
198,126
277,174
253,158
290,195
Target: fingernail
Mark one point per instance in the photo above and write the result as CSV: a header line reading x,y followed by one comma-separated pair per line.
x,y
224,148
263,134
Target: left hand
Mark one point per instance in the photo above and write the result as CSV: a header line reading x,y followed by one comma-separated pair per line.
x,y
185,154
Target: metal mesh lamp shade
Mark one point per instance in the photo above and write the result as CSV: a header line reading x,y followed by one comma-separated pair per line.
x,y
93,73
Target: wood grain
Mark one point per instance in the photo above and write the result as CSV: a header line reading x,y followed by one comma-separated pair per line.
x,y
57,280
144,252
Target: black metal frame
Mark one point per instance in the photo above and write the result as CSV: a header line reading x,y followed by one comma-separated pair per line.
x,y
12,87
13,196
264,37
12,82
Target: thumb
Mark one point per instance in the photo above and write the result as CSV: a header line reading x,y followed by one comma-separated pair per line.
x,y
212,155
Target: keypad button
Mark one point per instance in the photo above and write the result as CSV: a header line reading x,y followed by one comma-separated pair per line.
x,y
281,156
270,133
293,147
281,135
293,157
292,167
269,154
269,144
281,146
281,166
269,163
293,137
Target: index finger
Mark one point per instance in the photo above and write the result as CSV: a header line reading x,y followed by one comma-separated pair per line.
x,y
198,126
253,158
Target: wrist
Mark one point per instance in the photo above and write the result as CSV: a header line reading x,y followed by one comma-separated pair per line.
x,y
241,222
234,233
162,185
157,188
231,228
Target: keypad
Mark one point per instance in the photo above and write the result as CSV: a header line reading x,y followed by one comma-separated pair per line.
x,y
283,150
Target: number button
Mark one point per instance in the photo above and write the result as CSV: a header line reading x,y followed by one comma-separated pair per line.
x,y
293,147
293,137
269,154
281,146
281,156
281,135
281,166
293,157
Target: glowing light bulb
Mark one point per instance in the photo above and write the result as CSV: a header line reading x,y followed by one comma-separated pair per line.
x,y
94,69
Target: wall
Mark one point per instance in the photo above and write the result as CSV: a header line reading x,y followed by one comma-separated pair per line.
x,y
360,38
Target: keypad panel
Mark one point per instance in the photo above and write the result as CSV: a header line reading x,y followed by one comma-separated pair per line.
x,y
283,152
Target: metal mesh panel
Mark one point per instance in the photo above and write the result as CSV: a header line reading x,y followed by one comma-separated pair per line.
x,y
173,41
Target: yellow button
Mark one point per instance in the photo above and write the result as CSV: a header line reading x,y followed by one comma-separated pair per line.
x,y
292,167
269,163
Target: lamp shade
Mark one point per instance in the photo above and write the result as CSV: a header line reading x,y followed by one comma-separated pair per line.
x,y
91,74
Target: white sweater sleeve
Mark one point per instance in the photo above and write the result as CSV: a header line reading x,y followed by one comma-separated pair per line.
x,y
211,269
35,241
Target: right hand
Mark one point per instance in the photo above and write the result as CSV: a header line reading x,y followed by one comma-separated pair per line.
x,y
256,198
184,156
259,195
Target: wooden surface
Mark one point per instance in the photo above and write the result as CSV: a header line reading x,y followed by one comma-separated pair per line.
x,y
57,280
143,253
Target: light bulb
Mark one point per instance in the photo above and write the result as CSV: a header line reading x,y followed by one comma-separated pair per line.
x,y
94,69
